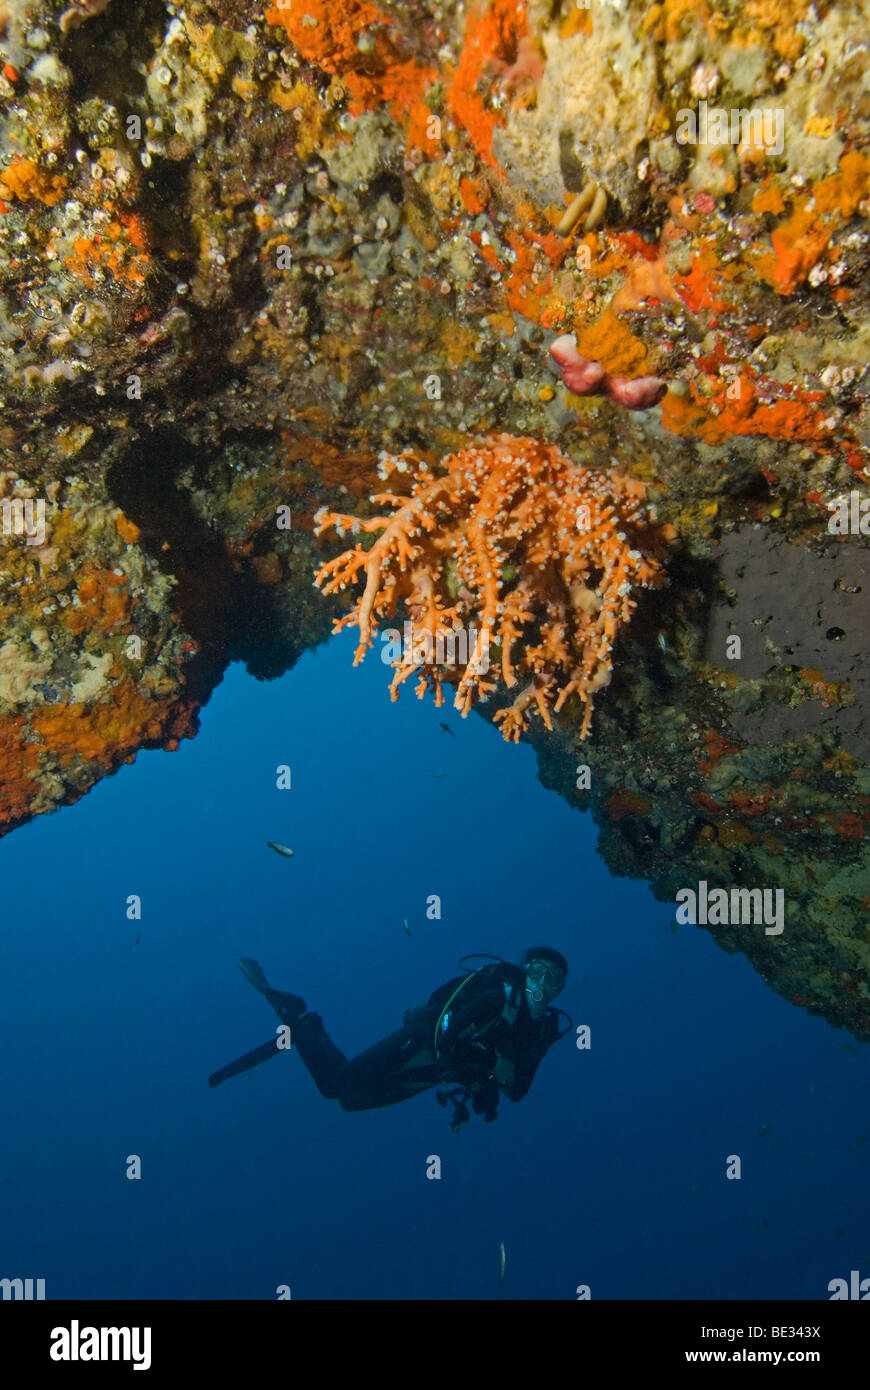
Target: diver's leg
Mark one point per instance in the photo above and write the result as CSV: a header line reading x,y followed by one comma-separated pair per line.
x,y
325,1063
369,1081
394,1069
308,1036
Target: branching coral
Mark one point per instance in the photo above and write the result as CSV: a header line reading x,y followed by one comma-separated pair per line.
x,y
511,545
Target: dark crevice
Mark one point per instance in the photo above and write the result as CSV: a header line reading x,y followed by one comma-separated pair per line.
x,y
388,183
215,602
314,313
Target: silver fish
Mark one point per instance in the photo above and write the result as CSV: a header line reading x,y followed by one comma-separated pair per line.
x,y
502,1261
280,849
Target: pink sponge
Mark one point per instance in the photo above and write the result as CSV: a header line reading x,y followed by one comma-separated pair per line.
x,y
587,378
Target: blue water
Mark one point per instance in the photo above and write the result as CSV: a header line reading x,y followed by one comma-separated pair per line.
x,y
610,1173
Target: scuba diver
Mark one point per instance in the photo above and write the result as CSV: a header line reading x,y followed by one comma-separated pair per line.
x,y
478,1035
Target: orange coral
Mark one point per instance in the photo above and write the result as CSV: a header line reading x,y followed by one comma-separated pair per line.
x,y
647,278
530,284
797,245
844,191
781,17
398,83
327,34
702,288
802,239
127,260
473,195
25,180
625,803
98,737
493,31
849,826
109,731
718,748
100,604
611,343
18,761
768,199
514,538
715,419
127,530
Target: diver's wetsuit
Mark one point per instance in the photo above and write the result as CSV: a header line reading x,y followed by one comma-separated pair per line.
x,y
488,1041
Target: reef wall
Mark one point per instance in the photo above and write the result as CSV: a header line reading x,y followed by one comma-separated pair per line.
x,y
247,258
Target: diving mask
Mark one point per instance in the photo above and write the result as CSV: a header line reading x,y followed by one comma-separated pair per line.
x,y
544,980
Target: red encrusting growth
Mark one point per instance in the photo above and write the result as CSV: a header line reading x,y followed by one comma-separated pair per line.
x,y
493,32
737,408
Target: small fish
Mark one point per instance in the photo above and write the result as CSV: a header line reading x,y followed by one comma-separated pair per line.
x,y
662,641
436,775
447,729
407,928
861,1139
502,1261
839,1232
764,1131
811,1088
847,1047
673,928
280,849
138,939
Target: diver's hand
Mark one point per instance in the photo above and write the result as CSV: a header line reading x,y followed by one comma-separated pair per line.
x,y
505,1071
